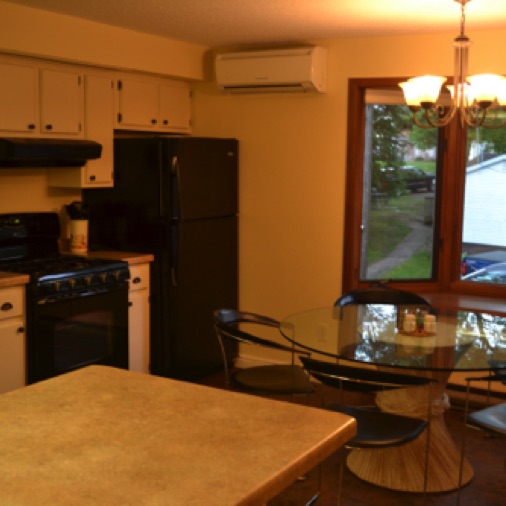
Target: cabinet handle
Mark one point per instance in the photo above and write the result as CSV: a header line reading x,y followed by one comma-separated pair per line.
x,y
153,121
31,126
21,330
49,127
7,306
136,280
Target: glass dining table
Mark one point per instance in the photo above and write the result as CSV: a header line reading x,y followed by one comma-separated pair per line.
x,y
372,335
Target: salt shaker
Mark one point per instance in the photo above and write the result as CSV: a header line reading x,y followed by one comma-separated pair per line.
x,y
429,324
409,324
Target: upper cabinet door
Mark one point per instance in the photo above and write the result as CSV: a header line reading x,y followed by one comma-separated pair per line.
x,y
18,98
175,107
158,105
137,104
61,102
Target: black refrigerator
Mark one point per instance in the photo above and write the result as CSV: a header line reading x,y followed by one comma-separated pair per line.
x,y
176,197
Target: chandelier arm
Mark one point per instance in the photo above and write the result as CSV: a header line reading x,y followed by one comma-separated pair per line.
x,y
437,119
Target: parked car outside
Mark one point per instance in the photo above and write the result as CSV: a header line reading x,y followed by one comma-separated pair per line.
x,y
495,273
406,178
478,261
417,179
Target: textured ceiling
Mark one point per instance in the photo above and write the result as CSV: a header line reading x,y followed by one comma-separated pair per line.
x,y
230,22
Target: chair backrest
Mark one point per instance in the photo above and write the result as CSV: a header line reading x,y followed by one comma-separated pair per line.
x,y
380,295
355,378
227,321
499,368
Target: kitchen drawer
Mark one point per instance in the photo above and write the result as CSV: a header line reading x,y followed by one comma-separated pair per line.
x,y
12,302
139,276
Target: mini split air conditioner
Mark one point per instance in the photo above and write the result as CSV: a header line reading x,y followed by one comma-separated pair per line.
x,y
302,69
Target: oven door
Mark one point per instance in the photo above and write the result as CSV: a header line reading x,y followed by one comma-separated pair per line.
x,y
72,331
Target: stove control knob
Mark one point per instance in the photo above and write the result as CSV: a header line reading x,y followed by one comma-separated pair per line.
x,y
57,286
116,275
72,283
87,280
103,277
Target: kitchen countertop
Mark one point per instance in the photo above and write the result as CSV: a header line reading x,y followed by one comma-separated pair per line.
x,y
130,257
107,436
12,279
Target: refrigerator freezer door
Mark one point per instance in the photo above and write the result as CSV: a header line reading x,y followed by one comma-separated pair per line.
x,y
204,181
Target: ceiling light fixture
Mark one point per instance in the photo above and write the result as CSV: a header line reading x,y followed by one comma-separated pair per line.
x,y
478,98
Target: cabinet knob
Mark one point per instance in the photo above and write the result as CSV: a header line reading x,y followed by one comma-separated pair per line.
x,y
130,304
49,127
136,280
165,121
21,330
31,126
153,121
6,306
93,177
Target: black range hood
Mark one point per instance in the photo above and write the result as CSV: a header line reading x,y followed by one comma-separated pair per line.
x,y
22,152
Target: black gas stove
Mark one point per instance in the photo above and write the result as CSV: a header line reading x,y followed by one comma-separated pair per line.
x,y
29,245
76,307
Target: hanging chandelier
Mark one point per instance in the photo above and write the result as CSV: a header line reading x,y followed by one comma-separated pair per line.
x,y
478,98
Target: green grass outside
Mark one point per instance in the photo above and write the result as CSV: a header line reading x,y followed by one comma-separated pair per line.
x,y
388,226
417,267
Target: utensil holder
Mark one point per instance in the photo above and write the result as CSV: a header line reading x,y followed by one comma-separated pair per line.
x,y
78,236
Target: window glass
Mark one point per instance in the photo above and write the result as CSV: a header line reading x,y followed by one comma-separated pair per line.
x,y
484,221
398,198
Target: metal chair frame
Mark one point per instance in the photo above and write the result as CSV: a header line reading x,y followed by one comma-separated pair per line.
x,y
226,323
498,410
371,380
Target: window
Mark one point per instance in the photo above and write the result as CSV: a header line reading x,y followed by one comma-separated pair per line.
x,y
424,209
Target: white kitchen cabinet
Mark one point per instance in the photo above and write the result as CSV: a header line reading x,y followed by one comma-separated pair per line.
x,y
12,338
175,107
137,104
157,105
138,318
19,98
61,102
40,100
99,127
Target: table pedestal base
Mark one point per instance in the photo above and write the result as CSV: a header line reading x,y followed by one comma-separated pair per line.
x,y
402,467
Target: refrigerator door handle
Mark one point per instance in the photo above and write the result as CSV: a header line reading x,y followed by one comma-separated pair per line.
x,y
176,188
175,243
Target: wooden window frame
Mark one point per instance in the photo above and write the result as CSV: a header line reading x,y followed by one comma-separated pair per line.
x,y
448,211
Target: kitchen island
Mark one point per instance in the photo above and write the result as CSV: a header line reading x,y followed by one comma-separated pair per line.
x,y
107,436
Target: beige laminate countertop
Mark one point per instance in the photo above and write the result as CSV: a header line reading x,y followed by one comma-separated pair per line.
x,y
109,437
131,257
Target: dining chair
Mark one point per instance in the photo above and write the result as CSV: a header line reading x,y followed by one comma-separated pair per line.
x,y
381,295
491,420
375,428
277,379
